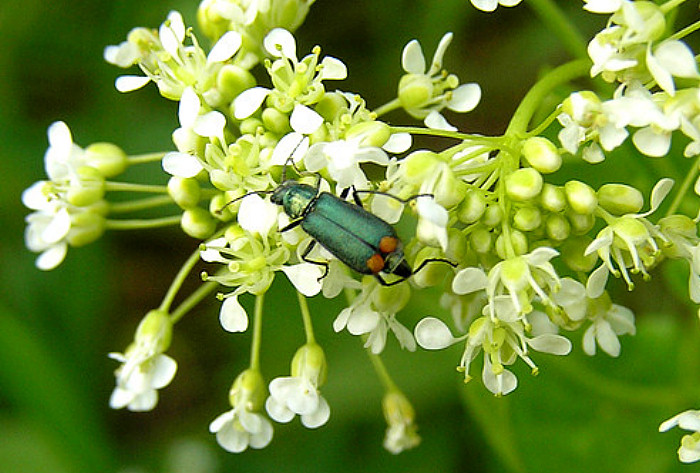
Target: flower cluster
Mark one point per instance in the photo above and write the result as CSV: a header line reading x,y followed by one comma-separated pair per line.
x,y
521,256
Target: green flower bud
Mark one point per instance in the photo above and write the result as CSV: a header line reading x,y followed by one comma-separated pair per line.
x,y
89,189
231,80
233,233
155,326
415,90
248,389
310,362
331,105
523,184
449,189
620,199
557,227
86,227
553,198
518,242
527,218
573,254
276,121
541,154
649,14
418,166
212,23
372,133
391,298
580,197
473,206
433,273
580,223
481,240
198,223
107,158
184,191
251,125
219,207
492,216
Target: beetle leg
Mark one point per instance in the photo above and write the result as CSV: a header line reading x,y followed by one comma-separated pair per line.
x,y
344,195
306,252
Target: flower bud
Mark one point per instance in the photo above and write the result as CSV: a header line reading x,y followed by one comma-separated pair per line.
x,y
415,90
400,418
481,240
155,329
620,199
391,298
523,184
310,362
331,105
517,241
219,207
573,253
553,198
541,154
473,206
231,80
432,274
210,19
371,133
418,166
185,191
580,223
449,189
275,121
248,389
88,189
251,125
557,227
492,216
86,227
197,223
107,158
527,218
580,197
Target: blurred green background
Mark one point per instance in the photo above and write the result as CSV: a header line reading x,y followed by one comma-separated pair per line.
x,y
580,414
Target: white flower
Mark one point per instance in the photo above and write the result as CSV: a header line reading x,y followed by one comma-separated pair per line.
x,y
608,322
342,159
144,368
400,418
432,223
491,5
669,59
689,450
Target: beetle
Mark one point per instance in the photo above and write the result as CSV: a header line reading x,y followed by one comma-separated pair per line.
x,y
364,242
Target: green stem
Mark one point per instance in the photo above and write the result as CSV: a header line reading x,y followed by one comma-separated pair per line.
x,y
130,187
387,107
140,204
179,279
306,317
257,333
380,369
560,24
534,97
140,224
192,300
146,158
670,5
683,190
680,34
442,133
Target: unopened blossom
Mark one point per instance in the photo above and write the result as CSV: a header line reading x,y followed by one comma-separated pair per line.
x,y
400,418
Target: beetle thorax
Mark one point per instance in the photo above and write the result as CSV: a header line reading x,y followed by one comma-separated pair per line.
x,y
294,197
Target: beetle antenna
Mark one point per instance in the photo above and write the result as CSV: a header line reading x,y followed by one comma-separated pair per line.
x,y
433,260
219,211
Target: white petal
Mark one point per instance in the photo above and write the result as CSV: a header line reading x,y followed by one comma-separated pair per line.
x,y
659,193
60,138
58,228
263,437
677,58
662,77
233,316
651,143
465,98
221,420
398,143
332,68
291,145
188,110
281,43
249,101
433,334
163,371
412,59
52,257
210,125
469,280
35,197
319,417
278,411
436,65
144,401
305,120
485,5
403,335
225,47
120,398
551,343
363,320
257,215
130,83
181,164
436,121
172,33
305,277
597,281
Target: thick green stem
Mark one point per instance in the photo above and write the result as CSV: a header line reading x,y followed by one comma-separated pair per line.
x,y
257,333
130,187
140,204
179,279
140,224
306,316
146,158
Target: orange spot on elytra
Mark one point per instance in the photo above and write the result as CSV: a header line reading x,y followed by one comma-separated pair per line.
x,y
388,244
375,263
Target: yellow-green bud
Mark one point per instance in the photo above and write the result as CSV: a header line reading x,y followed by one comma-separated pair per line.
x,y
107,158
197,223
580,197
418,166
331,105
481,240
231,80
276,121
541,154
184,191
492,216
449,189
248,389
219,207
415,90
518,242
156,326
650,15
212,23
372,133
557,227
553,198
89,189
86,227
620,199
527,218
233,233
573,254
473,206
524,184
310,362
581,223
251,125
